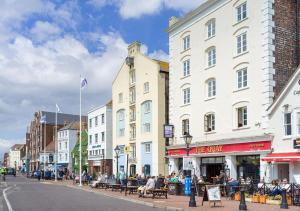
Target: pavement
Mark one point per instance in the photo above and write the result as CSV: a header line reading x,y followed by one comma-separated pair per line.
x,y
31,195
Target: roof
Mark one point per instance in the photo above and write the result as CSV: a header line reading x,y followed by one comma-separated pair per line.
x,y
71,126
203,7
164,66
17,147
61,117
285,90
108,104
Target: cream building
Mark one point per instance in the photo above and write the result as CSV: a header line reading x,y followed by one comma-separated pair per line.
x,y
228,62
15,156
140,95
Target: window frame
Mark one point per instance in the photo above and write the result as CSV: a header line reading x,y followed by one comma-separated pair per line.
x,y
285,124
186,67
185,126
147,148
211,87
243,75
241,43
146,87
297,122
211,28
186,42
211,57
209,122
120,97
186,96
242,118
241,12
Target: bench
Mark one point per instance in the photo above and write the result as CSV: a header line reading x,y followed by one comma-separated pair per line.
x,y
156,192
115,187
132,189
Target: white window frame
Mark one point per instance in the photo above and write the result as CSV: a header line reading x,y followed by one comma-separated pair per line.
x,y
297,116
121,132
147,127
146,87
147,148
185,126
211,88
102,119
242,78
147,107
91,122
186,95
132,76
209,122
102,136
241,12
211,28
186,67
91,139
96,138
242,118
121,97
287,124
211,57
132,131
241,43
186,42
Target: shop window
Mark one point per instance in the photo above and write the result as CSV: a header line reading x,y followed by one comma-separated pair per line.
x,y
185,126
248,166
288,124
242,116
209,122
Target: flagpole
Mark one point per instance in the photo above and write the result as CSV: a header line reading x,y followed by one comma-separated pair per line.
x,y
45,140
80,182
56,156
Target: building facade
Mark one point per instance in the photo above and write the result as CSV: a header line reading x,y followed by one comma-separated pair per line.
x,y
140,95
100,139
284,161
67,137
15,156
42,134
228,61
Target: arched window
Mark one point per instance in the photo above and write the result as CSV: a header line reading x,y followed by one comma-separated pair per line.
x,y
211,28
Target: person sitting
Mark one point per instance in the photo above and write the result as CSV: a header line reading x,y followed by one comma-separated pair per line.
x,y
233,186
95,183
275,189
150,185
284,184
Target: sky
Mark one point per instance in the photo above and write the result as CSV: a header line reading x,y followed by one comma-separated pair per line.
x,y
46,45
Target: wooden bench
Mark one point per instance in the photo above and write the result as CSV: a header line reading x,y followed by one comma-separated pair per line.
x,y
156,192
132,189
115,187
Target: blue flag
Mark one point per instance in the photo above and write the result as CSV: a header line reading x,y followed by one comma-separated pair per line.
x,y
83,82
43,119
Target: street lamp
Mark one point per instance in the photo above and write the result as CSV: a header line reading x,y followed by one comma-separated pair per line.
x,y
117,151
188,140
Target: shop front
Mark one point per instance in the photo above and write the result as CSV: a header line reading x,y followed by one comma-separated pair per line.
x,y
235,159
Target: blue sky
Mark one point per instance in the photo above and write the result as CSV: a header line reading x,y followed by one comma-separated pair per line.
x,y
46,45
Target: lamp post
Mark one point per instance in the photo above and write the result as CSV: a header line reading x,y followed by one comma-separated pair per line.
x,y
117,151
188,140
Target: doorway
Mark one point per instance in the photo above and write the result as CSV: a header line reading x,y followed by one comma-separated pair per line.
x,y
283,171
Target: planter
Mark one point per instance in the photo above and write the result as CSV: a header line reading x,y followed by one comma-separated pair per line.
x,y
237,196
262,199
289,200
273,202
255,199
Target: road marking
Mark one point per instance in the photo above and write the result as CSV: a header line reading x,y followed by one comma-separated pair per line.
x,y
6,199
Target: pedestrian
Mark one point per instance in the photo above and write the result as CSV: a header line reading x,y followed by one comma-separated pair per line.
x,y
39,175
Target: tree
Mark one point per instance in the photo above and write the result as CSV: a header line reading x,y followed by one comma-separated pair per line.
x,y
84,153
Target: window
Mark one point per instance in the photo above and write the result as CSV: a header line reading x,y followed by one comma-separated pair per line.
x,y
185,126
186,67
242,116
132,95
186,42
121,116
241,12
122,150
90,139
120,122
211,28
211,88
96,138
66,145
288,124
209,122
133,152
120,97
59,146
242,78
147,148
147,127
66,156
132,132
186,96
60,157
132,114
241,43
211,57
298,123
146,87
90,123
122,132
147,107
96,121
102,136
132,77
102,119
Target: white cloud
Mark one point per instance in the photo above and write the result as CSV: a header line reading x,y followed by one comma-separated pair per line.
x,y
5,144
44,31
183,6
160,55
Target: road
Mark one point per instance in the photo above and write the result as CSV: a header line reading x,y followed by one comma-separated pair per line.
x,y
30,195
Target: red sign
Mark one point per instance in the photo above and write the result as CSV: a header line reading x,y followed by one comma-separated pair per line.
x,y
224,148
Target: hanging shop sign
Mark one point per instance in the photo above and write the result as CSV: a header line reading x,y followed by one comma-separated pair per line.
x,y
168,131
240,147
297,143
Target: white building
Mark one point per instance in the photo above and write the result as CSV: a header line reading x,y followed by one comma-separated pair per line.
x,y
66,138
15,156
284,161
227,63
100,139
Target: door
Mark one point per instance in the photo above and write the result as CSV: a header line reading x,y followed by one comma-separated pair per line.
x,y
283,171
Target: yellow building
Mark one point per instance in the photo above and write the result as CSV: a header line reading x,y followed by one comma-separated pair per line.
x,y
140,110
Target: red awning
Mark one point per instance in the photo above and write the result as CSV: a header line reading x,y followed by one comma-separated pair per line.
x,y
282,157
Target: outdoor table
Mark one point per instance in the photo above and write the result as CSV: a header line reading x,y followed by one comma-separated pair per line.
x,y
174,188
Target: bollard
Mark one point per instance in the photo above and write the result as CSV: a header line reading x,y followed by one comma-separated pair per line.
x,y
192,202
284,204
243,205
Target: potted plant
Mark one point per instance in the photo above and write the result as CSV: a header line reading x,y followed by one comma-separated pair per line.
x,y
255,198
248,197
274,200
262,199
